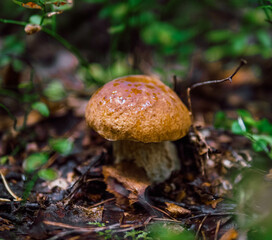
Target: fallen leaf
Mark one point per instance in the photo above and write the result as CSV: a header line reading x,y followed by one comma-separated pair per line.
x,y
176,210
5,225
126,181
214,202
230,235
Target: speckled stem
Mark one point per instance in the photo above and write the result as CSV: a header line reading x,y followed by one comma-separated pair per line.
x,y
158,159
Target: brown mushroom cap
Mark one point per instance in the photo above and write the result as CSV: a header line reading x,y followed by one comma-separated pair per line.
x,y
138,108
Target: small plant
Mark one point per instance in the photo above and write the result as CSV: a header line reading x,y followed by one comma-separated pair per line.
x,y
106,234
137,235
259,132
267,7
35,164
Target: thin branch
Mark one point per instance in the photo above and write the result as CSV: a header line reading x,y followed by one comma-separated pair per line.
x,y
175,83
11,116
68,45
4,200
200,226
242,63
13,22
53,34
16,198
217,230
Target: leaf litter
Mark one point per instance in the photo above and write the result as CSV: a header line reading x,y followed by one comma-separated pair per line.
x,y
92,196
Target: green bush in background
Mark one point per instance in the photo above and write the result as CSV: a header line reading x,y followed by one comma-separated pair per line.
x,y
172,30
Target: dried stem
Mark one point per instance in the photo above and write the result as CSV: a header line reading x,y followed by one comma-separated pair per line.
x,y
16,198
203,148
217,230
200,226
242,63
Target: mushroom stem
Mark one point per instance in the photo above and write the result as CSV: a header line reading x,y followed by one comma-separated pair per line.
x,y
157,159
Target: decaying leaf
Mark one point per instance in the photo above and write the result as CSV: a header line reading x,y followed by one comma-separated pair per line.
x,y
176,210
214,202
230,235
50,14
126,181
32,28
31,5
5,225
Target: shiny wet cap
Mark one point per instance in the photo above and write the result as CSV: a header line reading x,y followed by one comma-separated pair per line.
x,y
137,108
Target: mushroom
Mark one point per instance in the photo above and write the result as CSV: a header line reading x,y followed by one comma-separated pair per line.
x,y
141,115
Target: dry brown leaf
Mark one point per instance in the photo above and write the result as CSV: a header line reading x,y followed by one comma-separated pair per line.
x,y
231,234
31,5
268,176
60,3
5,225
32,118
32,28
214,202
126,181
50,14
176,210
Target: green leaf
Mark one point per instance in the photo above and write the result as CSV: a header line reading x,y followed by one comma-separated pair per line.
x,y
17,65
41,108
35,161
35,19
259,145
3,160
238,44
236,128
264,38
243,113
62,145
219,35
264,126
55,91
266,138
220,120
215,53
48,174
117,29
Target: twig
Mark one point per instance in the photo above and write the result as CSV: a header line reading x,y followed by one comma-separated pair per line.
x,y
82,179
13,118
217,230
53,34
166,220
175,83
200,226
100,203
242,63
81,229
162,211
213,214
201,140
4,200
16,198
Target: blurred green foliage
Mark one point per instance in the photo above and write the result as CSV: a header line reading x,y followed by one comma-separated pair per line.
x,y
171,29
258,131
12,48
63,146
252,194
170,232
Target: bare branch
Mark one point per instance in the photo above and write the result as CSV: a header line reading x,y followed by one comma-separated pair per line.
x,y
242,63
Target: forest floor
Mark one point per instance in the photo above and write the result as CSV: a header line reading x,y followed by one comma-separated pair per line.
x,y
211,197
